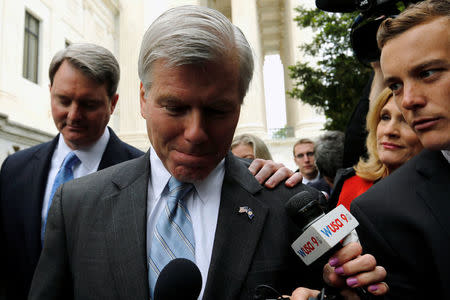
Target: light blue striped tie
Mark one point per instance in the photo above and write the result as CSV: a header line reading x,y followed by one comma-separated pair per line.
x,y
173,236
65,174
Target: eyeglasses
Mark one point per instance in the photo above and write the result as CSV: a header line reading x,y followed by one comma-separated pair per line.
x,y
301,155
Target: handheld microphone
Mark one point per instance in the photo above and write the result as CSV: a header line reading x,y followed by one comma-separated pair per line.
x,y
321,231
179,279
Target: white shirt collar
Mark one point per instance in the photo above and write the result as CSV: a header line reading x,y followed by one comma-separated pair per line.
x,y
91,156
306,180
87,155
446,154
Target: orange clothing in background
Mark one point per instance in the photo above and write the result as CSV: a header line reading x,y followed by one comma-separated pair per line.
x,y
352,188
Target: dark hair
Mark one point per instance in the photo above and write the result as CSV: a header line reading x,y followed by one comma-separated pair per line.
x,y
96,62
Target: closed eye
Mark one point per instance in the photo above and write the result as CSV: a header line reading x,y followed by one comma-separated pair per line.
x,y
175,109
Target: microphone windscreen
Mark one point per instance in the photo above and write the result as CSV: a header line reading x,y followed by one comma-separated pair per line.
x,y
303,208
336,5
179,279
298,201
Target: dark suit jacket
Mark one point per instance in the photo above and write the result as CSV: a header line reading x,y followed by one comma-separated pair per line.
x,y
95,244
405,222
23,179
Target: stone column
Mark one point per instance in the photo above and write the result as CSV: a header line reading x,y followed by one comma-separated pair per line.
x,y
253,113
129,123
302,117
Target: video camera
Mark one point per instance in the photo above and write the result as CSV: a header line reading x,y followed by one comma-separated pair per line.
x,y
364,28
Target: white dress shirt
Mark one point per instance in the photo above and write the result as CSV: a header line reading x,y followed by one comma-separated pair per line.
x,y
90,158
202,203
306,180
446,154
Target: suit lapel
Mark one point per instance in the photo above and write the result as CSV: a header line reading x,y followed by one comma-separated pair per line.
x,y
125,215
435,190
39,168
237,235
114,153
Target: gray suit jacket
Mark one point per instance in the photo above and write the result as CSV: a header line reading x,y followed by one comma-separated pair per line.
x,y
95,246
405,222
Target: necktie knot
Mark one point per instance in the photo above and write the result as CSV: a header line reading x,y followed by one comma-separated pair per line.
x,y
70,160
178,189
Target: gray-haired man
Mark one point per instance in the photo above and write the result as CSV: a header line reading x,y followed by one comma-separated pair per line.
x,y
110,234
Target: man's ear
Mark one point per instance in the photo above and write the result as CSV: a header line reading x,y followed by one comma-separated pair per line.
x,y
142,99
114,100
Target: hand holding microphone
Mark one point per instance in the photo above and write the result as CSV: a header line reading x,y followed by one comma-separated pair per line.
x,y
322,232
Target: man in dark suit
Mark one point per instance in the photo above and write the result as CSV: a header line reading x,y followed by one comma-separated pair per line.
x,y
83,84
104,229
404,219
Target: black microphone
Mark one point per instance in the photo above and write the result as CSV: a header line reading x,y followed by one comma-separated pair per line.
x,y
179,279
320,232
336,5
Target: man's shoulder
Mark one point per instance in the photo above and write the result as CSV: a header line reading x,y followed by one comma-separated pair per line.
x,y
116,143
23,157
400,187
123,170
237,169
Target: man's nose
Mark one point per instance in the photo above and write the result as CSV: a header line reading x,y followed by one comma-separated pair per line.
x,y
75,112
412,97
195,128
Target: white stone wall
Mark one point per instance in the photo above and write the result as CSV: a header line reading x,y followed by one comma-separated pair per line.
x,y
26,103
15,137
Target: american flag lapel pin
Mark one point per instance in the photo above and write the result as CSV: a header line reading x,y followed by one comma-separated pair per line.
x,y
246,210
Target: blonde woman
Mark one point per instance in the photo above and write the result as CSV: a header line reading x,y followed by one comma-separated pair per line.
x,y
250,146
390,143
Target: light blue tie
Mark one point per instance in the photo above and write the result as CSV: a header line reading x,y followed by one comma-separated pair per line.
x,y
65,174
173,236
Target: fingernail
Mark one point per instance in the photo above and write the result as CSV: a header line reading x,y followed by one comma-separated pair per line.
x,y
372,288
339,271
352,281
268,185
333,262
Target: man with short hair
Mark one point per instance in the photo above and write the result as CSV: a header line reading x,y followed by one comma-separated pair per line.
x,y
110,234
404,218
304,158
83,84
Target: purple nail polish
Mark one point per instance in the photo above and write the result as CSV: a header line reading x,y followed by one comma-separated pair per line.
x,y
372,288
339,271
351,281
333,262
